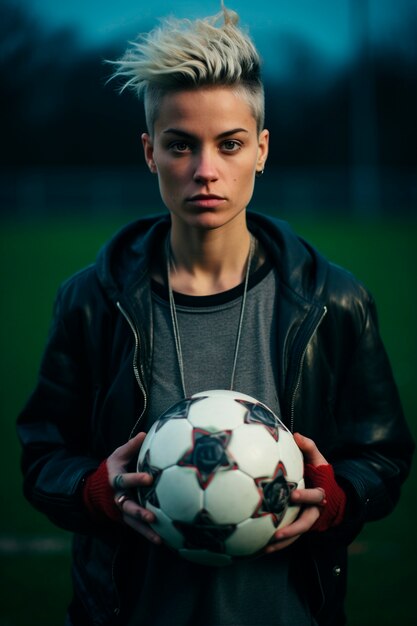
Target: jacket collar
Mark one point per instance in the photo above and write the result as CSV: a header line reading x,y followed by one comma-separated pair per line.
x,y
123,263
302,270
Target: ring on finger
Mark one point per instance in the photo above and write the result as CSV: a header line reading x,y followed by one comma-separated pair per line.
x,y
120,499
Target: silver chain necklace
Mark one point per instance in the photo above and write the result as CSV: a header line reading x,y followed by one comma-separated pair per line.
x,y
175,327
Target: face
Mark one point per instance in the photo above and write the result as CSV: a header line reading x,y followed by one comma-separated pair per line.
x,y
205,150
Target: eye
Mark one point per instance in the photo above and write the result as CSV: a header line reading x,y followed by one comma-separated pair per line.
x,y
179,147
231,145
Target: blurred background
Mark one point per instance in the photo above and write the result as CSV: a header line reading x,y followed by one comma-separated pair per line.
x,y
341,104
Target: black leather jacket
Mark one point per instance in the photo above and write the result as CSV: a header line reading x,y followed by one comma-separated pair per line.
x,y
335,386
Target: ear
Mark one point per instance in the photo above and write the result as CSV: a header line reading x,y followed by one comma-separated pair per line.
x,y
263,147
148,152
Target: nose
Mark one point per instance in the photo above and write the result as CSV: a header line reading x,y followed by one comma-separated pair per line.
x,y
205,167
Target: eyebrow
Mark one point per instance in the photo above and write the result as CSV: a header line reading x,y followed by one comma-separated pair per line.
x,y
183,133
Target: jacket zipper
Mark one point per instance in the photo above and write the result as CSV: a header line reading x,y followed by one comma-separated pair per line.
x,y
138,370
300,368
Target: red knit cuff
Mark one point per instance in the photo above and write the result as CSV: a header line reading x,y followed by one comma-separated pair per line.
x,y
98,495
333,511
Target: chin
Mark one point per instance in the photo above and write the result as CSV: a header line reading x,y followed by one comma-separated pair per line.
x,y
210,220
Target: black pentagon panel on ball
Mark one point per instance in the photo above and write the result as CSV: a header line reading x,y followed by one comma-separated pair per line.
x,y
148,494
204,534
208,454
259,414
177,411
276,495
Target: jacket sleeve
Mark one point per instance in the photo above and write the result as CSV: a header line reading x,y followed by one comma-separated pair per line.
x,y
54,426
375,457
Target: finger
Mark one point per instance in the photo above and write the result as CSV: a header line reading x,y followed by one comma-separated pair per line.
x,y
131,480
280,545
143,529
132,509
315,496
125,452
310,451
139,519
301,525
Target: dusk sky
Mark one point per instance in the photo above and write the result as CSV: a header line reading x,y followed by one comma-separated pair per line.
x,y
325,24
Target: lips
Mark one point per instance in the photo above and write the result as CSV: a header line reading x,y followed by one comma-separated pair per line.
x,y
205,196
204,200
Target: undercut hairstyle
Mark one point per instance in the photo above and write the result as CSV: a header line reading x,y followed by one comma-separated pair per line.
x,y
188,54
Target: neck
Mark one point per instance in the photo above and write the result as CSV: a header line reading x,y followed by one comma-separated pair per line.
x,y
208,262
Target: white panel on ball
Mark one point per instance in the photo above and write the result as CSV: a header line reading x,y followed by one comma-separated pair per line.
x,y
170,443
231,497
179,493
250,536
255,450
213,417
291,456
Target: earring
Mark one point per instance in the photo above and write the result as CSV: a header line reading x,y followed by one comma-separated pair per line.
x,y
259,173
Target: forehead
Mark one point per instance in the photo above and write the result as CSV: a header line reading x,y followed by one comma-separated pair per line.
x,y
217,107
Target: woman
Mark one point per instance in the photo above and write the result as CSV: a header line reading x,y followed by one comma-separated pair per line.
x,y
181,303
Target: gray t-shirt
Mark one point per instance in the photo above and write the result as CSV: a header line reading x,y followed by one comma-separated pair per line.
x,y
208,328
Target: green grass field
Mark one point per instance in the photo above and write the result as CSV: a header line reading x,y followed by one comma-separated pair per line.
x,y
37,255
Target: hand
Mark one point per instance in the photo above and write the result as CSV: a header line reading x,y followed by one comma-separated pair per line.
x,y
125,484
312,500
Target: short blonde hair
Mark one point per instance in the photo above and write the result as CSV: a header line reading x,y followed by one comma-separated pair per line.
x,y
185,54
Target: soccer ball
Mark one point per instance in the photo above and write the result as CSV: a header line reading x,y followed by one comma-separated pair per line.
x,y
223,467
